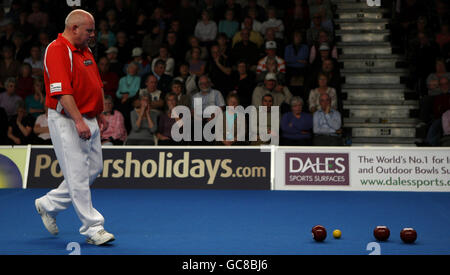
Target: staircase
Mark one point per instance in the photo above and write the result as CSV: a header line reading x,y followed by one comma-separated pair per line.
x,y
378,108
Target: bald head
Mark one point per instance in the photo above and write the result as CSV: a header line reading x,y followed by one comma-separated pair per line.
x,y
80,28
77,18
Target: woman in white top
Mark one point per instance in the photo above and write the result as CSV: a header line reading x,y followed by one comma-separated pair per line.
x,y
206,29
323,88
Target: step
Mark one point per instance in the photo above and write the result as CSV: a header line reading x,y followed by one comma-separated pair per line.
x,y
384,132
361,13
355,5
379,86
368,63
384,112
345,57
383,103
380,121
372,70
362,35
371,95
373,78
365,48
361,25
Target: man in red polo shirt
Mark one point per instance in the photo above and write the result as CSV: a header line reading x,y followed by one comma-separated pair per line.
x,y
75,101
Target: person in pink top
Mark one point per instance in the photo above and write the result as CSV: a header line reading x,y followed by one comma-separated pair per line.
x,y
115,133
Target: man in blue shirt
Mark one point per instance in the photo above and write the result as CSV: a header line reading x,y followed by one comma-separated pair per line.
x,y
327,124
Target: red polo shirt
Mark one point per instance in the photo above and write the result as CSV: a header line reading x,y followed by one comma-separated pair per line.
x,y
72,71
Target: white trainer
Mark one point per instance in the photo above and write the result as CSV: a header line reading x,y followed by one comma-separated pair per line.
x,y
48,221
100,238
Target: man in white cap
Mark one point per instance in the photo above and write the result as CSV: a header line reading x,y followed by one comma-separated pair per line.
x,y
114,64
137,57
271,51
279,93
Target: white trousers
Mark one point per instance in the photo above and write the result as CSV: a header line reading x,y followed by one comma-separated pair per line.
x,y
81,161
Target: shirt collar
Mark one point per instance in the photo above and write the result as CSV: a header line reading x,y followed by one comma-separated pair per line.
x,y
71,47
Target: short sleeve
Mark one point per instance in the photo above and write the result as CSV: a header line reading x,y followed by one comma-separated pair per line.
x,y
58,67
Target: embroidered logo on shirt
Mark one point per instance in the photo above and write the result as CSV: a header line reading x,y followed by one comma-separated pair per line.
x,y
88,62
55,87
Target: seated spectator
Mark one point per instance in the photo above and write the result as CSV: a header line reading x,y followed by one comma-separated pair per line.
x,y
230,126
312,34
144,123
314,95
24,84
156,95
273,23
126,94
220,70
165,56
114,64
326,15
271,67
37,18
109,78
164,80
105,35
440,72
208,96
35,61
229,26
189,80
129,84
166,121
222,42
280,93
422,59
443,37
206,29
194,43
196,64
20,130
327,124
115,133
296,126
258,7
21,49
271,49
296,56
181,98
298,19
323,39
35,103
152,41
257,25
175,47
267,101
144,66
124,47
245,50
235,7
9,67
41,130
254,36
9,99
243,81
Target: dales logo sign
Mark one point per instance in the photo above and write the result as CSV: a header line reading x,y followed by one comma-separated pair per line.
x,y
317,169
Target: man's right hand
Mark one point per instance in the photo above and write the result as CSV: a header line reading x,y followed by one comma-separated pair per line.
x,y
83,130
